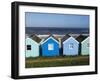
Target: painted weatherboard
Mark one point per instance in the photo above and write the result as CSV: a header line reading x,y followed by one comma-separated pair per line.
x,y
32,48
70,46
85,46
50,47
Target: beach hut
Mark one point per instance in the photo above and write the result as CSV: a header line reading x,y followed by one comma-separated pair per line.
x,y
32,46
70,45
50,46
84,45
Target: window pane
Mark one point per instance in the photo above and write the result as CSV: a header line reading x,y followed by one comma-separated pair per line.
x,y
50,47
28,47
71,45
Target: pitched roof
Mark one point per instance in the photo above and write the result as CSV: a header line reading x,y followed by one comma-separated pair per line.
x,y
80,38
65,37
52,37
35,38
49,37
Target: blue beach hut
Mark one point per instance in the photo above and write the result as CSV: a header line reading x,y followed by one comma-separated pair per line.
x,y
32,46
50,46
70,45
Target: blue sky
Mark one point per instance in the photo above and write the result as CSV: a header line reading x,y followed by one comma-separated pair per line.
x,y
56,20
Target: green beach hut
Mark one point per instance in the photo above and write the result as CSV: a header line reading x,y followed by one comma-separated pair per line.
x,y
32,46
83,44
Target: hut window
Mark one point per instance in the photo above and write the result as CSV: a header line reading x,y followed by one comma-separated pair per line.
x,y
87,44
50,47
28,47
71,45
